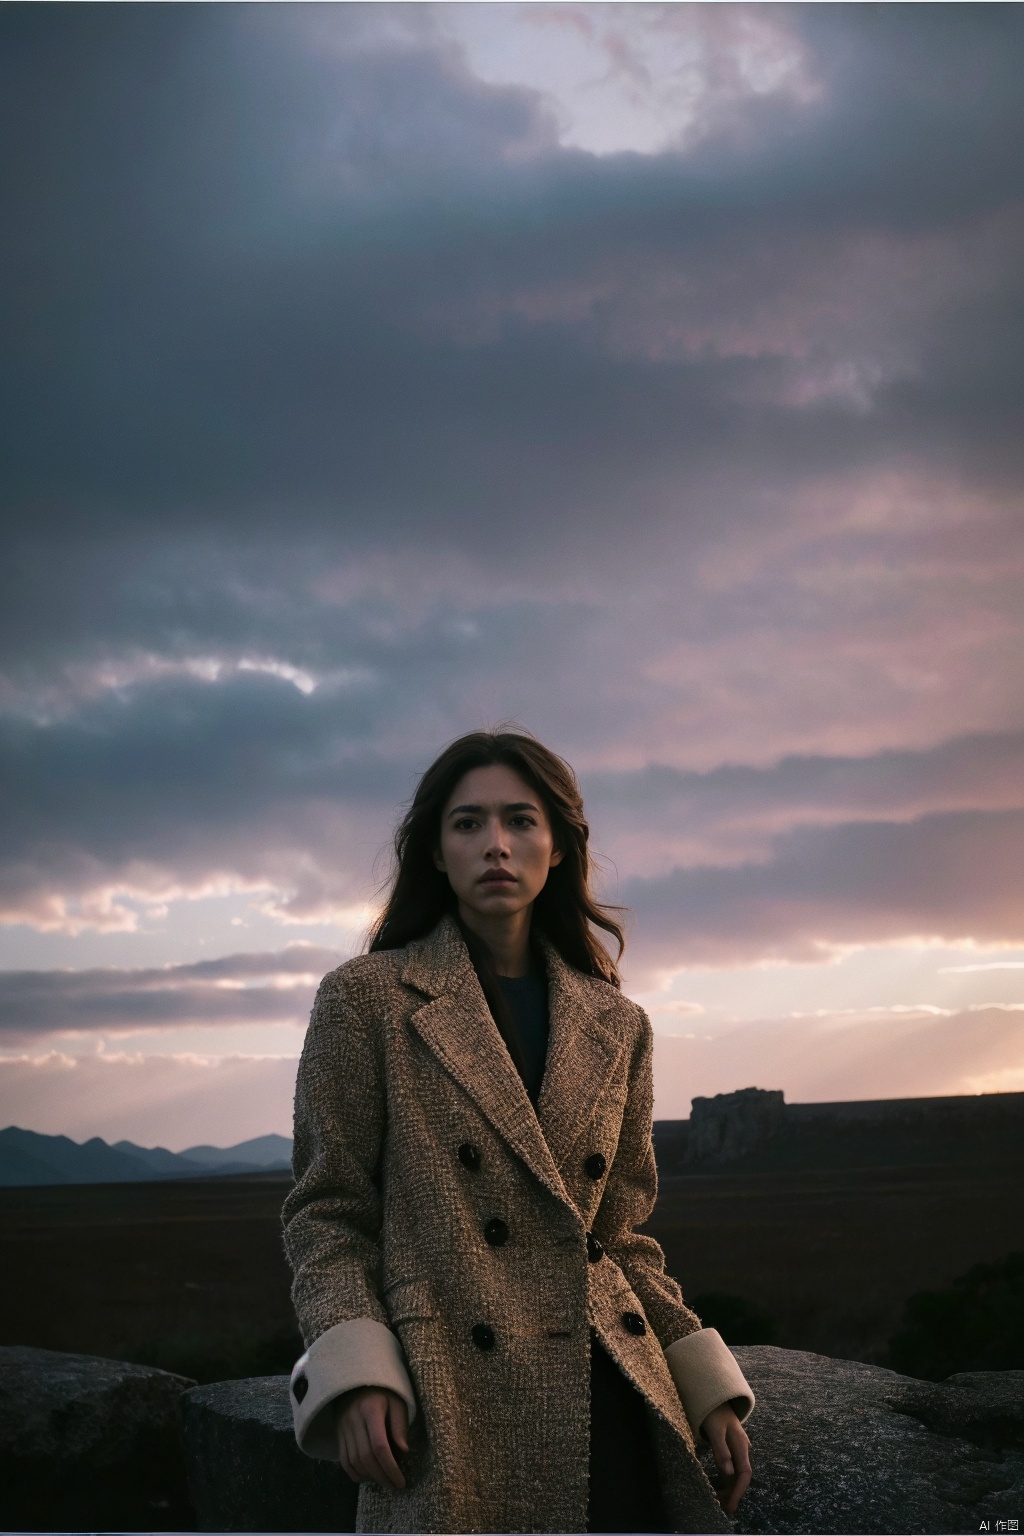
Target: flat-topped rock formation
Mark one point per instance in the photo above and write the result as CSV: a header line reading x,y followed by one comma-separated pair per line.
x,y
755,1127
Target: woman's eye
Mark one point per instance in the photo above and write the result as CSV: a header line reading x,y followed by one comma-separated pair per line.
x,y
523,821
465,824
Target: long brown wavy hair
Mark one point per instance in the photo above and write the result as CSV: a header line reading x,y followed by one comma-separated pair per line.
x,y
565,912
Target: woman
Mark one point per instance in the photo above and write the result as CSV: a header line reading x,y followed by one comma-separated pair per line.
x,y
491,1344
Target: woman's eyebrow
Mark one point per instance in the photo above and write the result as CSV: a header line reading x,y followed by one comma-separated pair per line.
x,y
481,810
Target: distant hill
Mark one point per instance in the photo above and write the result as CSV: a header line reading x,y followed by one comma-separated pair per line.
x,y
264,1151
28,1158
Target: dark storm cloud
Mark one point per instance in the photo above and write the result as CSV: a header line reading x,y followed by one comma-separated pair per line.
x,y
141,764
179,765
228,246
288,288
181,783
275,304
139,767
982,772
237,989
158,790
953,877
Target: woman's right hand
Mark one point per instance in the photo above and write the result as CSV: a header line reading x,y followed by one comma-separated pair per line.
x,y
363,1419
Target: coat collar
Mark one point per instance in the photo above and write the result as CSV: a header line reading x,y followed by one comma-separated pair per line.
x,y
583,1047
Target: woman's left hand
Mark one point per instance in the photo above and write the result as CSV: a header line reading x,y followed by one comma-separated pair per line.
x,y
731,1449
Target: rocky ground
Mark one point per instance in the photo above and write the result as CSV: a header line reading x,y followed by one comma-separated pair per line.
x,y
840,1447
844,1447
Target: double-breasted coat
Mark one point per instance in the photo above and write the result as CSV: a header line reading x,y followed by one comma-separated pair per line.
x,y
453,1244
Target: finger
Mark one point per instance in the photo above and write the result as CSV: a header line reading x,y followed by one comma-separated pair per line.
x,y
740,1446
348,1461
381,1447
378,1457
398,1418
735,1493
343,1458
720,1449
364,1458
724,1494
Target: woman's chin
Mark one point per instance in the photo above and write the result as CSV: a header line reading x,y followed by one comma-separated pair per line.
x,y
489,901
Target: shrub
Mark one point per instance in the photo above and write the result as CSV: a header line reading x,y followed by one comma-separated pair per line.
x,y
219,1355
738,1320
975,1325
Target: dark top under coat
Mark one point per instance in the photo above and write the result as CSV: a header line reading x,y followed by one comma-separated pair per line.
x,y
624,1490
526,999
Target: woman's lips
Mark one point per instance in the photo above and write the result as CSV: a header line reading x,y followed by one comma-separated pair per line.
x,y
497,880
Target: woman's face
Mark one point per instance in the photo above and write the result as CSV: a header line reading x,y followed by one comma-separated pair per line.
x,y
496,842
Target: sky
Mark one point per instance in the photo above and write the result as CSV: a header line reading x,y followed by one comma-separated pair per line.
x,y
648,375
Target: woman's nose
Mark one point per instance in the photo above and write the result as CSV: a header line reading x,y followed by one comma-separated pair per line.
x,y
497,840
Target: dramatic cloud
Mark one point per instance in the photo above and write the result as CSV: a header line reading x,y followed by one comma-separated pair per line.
x,y
238,989
649,374
732,812
736,863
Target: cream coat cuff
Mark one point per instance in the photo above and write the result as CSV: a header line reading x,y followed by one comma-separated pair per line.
x,y
707,1374
357,1353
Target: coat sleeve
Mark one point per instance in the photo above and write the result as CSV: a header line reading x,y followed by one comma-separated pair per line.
x,y
705,1371
332,1218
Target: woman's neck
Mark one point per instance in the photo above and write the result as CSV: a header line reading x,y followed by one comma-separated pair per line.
x,y
507,938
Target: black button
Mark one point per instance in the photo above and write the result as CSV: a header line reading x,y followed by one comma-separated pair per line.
x,y
634,1323
300,1386
469,1156
496,1232
594,1249
595,1165
482,1335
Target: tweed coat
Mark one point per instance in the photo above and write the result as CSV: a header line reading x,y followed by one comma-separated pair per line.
x,y
455,1245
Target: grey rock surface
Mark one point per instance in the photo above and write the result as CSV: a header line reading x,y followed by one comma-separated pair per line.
x,y
245,1471
844,1447
839,1447
87,1443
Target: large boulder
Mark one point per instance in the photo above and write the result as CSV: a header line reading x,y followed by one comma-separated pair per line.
x,y
87,1443
843,1447
245,1471
839,1448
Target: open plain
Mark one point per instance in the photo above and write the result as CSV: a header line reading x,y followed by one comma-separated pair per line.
x,y
191,1275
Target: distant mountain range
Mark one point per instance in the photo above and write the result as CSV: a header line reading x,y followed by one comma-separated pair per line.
x,y
28,1158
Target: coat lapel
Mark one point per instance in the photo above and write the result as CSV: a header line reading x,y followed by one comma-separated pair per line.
x,y
583,1048
457,1026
